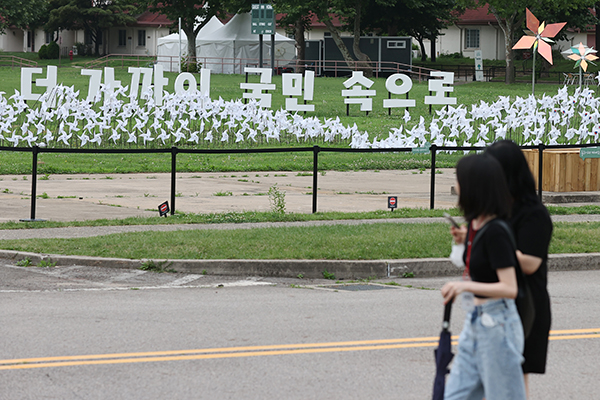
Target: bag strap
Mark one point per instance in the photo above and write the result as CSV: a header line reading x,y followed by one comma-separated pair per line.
x,y
504,225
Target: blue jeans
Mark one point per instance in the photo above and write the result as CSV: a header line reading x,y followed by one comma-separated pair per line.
x,y
490,348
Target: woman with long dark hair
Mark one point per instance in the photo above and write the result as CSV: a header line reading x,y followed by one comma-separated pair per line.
x,y
532,226
489,357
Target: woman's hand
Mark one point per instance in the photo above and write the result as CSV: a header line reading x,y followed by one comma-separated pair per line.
x,y
452,289
459,234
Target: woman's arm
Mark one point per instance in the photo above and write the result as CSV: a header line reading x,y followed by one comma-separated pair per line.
x,y
529,264
505,288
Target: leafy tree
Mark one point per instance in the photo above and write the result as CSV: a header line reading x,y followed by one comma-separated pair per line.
x,y
510,15
421,19
24,14
93,16
350,13
296,17
195,14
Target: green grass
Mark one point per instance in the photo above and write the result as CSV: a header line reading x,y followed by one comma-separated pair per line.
x,y
13,163
256,216
339,242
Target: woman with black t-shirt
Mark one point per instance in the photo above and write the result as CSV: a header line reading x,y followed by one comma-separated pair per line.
x,y
488,362
532,226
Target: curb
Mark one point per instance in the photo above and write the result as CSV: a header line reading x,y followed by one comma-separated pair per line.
x,y
314,269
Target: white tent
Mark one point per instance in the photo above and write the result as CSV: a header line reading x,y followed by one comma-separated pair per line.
x,y
167,49
229,49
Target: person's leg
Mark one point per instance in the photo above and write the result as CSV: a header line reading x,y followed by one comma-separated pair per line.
x,y
500,338
464,382
526,380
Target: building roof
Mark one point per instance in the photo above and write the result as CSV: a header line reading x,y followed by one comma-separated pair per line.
x,y
477,16
148,18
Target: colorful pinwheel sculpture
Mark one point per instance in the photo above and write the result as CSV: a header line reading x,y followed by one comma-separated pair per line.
x,y
538,36
582,55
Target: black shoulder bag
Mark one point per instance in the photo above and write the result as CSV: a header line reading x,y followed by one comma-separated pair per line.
x,y
524,299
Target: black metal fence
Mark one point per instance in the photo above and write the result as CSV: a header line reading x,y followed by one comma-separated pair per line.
x,y
174,151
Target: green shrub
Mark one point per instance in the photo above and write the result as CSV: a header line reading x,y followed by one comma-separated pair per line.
x,y
43,52
53,51
82,49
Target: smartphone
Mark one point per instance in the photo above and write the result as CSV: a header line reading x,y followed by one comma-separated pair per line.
x,y
451,220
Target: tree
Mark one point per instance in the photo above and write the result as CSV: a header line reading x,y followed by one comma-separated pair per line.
x,y
421,19
93,16
23,14
510,15
195,14
351,14
296,16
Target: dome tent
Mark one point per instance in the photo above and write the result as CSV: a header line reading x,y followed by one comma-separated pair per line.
x,y
235,46
167,48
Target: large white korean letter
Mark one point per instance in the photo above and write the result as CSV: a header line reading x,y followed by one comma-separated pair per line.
x,y
159,83
437,86
94,85
181,80
257,88
392,87
356,82
110,83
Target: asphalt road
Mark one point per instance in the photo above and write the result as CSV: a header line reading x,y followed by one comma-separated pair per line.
x,y
96,333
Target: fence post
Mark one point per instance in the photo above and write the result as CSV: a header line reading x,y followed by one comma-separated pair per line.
x,y
34,157
540,168
316,150
173,177
433,150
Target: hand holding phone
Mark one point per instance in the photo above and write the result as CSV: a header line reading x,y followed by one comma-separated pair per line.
x,y
451,220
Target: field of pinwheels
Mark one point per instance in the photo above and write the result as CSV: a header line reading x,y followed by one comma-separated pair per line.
x,y
485,112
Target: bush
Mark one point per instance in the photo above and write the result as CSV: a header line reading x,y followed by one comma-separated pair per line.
x,y
83,49
43,52
452,55
52,51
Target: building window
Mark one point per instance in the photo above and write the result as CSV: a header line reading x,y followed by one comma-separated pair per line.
x,y
122,37
142,38
87,37
472,38
49,37
396,44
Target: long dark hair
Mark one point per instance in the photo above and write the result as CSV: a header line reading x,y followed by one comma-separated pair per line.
x,y
483,189
518,175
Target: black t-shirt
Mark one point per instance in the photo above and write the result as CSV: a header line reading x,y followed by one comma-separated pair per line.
x,y
533,230
493,251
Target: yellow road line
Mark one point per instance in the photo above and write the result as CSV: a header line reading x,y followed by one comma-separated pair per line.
x,y
211,356
222,350
250,351
571,331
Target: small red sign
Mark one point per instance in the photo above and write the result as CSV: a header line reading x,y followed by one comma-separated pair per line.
x,y
392,202
163,209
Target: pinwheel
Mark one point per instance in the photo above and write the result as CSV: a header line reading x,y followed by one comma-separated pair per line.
x,y
581,54
538,36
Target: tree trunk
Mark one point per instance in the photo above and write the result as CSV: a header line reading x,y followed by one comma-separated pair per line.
x,y
188,62
364,63
433,51
97,36
300,45
422,46
335,34
508,27
597,8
